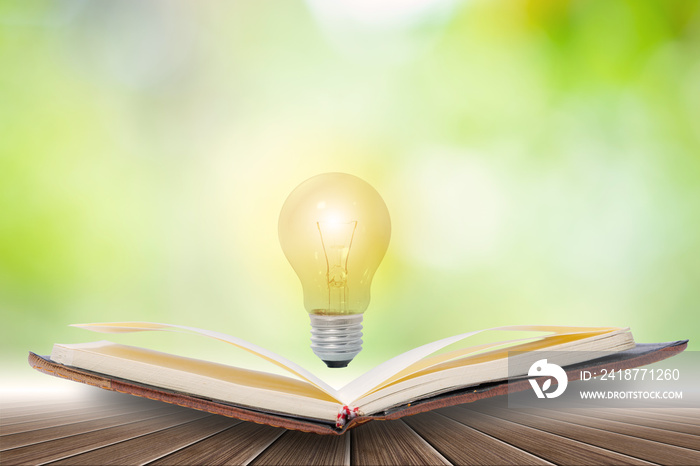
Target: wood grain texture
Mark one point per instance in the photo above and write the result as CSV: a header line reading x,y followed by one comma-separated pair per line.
x,y
238,444
54,408
68,446
685,415
37,422
552,447
626,444
634,430
301,448
111,430
10,415
464,445
391,442
152,446
630,416
60,431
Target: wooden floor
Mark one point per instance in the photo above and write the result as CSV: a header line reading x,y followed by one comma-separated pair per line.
x,y
110,428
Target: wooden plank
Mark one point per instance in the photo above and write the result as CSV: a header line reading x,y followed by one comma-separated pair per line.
x,y
243,442
391,442
8,415
22,418
63,447
554,448
50,433
50,401
154,445
670,415
20,400
651,420
53,407
692,412
88,413
464,445
634,430
306,448
629,445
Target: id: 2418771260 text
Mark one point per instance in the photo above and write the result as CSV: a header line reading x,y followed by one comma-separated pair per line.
x,y
632,374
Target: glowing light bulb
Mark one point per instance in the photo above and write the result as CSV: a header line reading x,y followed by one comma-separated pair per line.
x,y
334,229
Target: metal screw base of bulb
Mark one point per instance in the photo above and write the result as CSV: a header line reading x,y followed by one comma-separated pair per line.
x,y
336,339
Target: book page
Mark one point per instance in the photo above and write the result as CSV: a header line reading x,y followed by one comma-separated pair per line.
x,y
261,391
476,354
492,366
401,366
289,366
417,359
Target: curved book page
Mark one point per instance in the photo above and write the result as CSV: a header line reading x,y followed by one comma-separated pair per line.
x,y
400,366
497,349
276,359
415,360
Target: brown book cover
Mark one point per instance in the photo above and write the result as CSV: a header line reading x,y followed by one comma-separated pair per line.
x,y
640,355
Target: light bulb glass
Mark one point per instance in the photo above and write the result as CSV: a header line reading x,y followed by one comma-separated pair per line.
x,y
334,229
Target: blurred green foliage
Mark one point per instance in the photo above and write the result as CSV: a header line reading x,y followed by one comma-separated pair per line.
x,y
540,159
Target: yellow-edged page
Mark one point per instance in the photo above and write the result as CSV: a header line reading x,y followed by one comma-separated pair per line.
x,y
276,359
415,359
487,367
499,349
243,387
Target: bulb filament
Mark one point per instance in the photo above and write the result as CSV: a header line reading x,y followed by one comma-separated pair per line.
x,y
336,238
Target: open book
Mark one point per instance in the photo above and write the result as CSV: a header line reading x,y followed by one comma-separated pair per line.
x,y
416,381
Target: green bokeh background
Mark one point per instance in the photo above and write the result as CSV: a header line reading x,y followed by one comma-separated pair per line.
x,y
540,160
